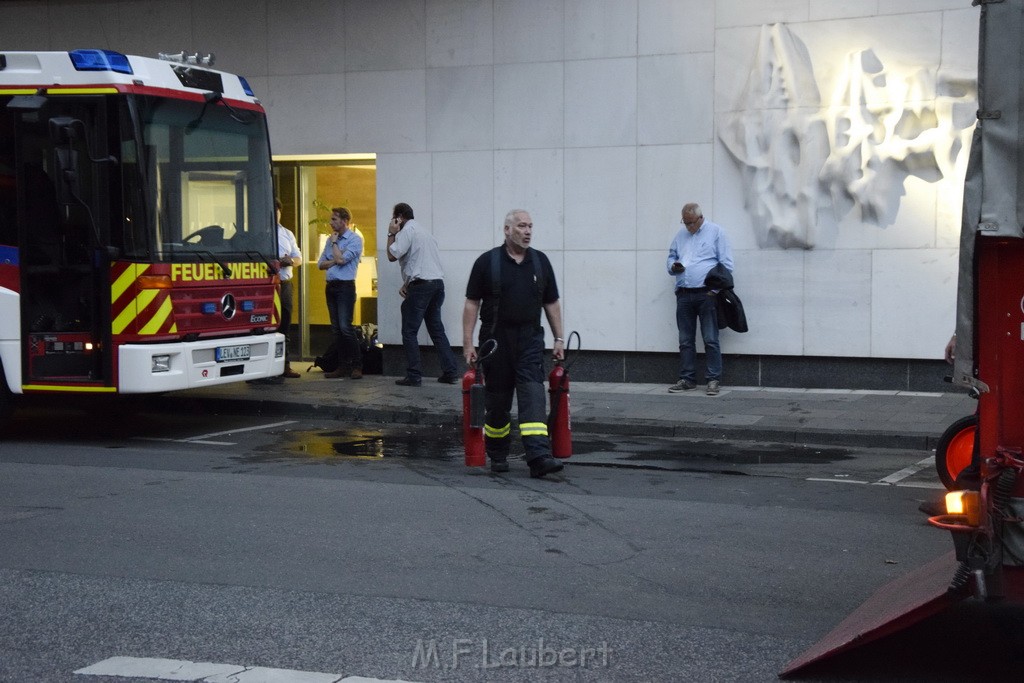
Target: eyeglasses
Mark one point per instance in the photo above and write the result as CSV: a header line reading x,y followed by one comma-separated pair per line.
x,y
695,221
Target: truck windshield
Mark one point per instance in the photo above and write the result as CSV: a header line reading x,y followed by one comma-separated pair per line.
x,y
207,181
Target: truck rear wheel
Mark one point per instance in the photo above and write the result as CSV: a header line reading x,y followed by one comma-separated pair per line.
x,y
955,450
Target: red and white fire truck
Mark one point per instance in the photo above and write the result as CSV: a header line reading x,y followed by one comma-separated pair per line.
x,y
138,242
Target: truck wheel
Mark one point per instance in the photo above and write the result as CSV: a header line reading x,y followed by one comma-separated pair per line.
x,y
955,450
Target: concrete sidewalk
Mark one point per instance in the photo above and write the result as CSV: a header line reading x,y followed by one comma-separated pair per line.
x,y
881,419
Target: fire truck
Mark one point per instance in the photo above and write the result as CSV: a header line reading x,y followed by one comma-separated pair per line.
x,y
982,455
138,241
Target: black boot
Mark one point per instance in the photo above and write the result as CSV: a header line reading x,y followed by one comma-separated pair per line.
x,y
544,465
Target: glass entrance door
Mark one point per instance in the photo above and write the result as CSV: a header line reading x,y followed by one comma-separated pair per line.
x,y
309,188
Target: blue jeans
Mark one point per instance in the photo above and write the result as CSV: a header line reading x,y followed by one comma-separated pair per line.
x,y
691,307
423,301
341,303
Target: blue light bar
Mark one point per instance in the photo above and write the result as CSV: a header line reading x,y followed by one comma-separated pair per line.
x,y
100,60
209,308
248,305
245,87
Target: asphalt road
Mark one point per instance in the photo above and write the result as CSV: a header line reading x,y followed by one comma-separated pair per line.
x,y
372,551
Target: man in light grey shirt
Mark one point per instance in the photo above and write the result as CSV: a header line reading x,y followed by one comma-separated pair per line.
x,y
422,292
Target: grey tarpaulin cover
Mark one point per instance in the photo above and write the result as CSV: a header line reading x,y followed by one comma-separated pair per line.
x,y
993,191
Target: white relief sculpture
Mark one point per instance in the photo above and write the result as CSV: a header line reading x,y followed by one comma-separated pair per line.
x,y
779,137
855,155
885,129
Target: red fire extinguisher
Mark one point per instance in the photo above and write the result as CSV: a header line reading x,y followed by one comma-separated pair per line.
x,y
473,408
559,419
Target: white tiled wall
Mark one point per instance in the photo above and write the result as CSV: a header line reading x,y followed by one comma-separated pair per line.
x,y
837,302
463,199
460,108
668,170
681,113
599,29
600,199
385,111
460,32
285,100
910,289
600,102
529,105
377,36
531,179
598,116
668,27
529,34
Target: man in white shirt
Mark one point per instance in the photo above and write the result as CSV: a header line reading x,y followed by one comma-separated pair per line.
x,y
422,292
290,257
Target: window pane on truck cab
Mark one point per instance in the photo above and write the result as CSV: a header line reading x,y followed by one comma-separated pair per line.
x,y
208,161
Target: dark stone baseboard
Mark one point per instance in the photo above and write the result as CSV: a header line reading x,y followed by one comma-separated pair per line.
x,y
806,372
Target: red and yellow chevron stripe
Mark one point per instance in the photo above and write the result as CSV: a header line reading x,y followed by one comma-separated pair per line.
x,y
140,300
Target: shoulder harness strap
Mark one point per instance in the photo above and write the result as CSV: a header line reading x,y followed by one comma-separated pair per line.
x,y
538,278
495,286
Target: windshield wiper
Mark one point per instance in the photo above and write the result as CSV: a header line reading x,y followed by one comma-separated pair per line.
x,y
243,117
207,98
213,257
262,257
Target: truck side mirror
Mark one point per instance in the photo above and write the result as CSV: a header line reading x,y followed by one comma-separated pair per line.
x,y
63,135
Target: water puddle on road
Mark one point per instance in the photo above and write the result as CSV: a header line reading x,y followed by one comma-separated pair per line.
x,y
424,443
637,450
444,444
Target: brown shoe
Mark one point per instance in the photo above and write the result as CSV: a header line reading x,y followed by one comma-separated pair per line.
x,y
289,373
357,373
334,374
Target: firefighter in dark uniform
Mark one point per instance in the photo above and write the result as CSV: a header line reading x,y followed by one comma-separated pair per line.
x,y
508,303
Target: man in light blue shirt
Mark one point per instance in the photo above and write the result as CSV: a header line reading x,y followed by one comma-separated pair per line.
x,y
340,259
698,247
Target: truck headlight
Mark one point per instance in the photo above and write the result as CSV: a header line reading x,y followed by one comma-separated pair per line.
x,y
279,350
162,363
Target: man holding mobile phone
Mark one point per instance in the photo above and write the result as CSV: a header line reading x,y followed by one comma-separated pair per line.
x,y
698,247
422,294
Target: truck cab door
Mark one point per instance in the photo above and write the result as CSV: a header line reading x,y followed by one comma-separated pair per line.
x,y
63,214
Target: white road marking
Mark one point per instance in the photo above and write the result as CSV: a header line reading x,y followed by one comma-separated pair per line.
x,y
241,429
935,485
894,479
210,672
907,471
204,438
903,485
205,443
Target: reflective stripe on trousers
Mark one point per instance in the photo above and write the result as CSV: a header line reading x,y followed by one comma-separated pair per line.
x,y
516,368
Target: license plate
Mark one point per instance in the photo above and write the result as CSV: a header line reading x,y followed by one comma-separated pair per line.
x,y
226,353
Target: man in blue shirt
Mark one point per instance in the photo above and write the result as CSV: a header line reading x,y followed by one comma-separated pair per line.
x,y
340,259
698,247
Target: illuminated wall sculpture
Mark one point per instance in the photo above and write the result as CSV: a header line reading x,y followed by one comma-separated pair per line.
x,y
780,138
803,159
